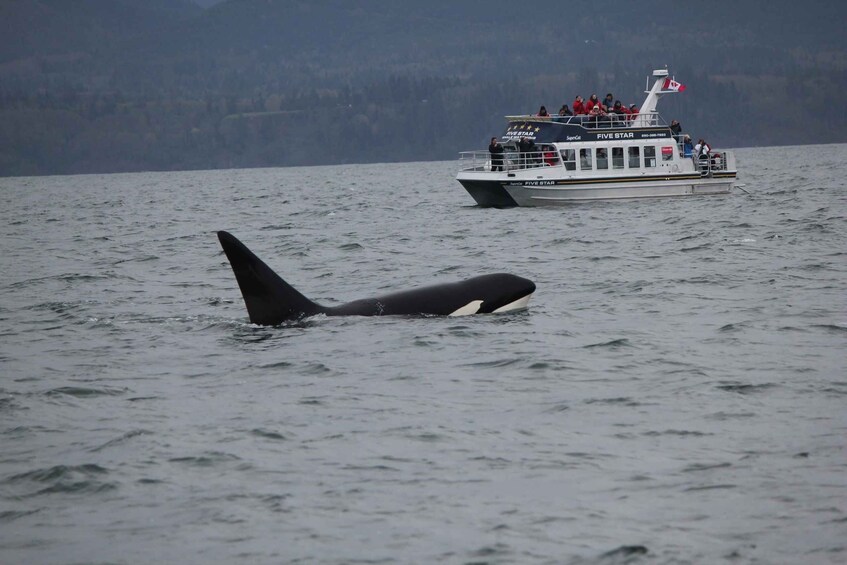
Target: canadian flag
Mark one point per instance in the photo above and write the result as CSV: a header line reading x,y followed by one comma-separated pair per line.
x,y
671,84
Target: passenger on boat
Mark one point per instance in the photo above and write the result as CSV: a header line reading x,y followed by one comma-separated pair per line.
x,y
687,147
596,115
592,102
496,151
550,156
542,112
579,106
602,158
608,102
701,153
618,112
676,131
524,147
533,154
564,115
633,112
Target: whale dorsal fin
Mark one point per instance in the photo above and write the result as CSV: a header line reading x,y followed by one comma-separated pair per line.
x,y
269,299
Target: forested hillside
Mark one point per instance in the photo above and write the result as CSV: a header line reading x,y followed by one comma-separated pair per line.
x,y
124,85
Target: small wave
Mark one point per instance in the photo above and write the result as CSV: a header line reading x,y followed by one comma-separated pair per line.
x,y
682,433
83,392
311,401
624,553
736,326
746,388
78,487
57,472
316,369
119,440
141,259
207,460
428,437
696,247
835,328
791,329
622,342
497,550
7,404
12,515
709,487
722,416
463,331
268,434
498,363
276,365
692,236
697,467
68,479
370,468
624,400
350,247
82,277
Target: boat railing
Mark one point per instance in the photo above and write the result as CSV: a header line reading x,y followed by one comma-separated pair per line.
x,y
609,121
716,160
481,161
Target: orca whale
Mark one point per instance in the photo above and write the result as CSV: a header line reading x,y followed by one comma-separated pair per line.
x,y
271,301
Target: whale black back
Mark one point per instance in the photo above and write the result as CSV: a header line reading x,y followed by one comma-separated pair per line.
x,y
271,301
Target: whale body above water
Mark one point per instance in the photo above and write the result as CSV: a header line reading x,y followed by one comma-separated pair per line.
x,y
271,301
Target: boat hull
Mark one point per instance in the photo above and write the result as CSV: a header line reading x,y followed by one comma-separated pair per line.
x,y
510,193
489,194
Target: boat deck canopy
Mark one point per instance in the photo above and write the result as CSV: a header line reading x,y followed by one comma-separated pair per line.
x,y
562,129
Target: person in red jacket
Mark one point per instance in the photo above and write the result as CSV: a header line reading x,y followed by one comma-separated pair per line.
x,y
593,101
633,112
578,106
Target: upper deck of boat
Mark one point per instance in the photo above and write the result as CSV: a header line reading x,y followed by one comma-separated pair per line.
x,y
558,129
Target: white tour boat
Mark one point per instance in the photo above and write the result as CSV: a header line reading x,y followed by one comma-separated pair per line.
x,y
584,158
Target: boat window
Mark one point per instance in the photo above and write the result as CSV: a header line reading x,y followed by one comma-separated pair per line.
x,y
649,156
569,158
634,157
617,157
585,159
602,158
667,153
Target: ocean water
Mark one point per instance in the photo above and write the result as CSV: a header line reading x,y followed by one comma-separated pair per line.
x,y
675,393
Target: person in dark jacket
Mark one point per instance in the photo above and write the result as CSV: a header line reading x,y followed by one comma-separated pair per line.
x,y
676,131
523,148
496,151
534,157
